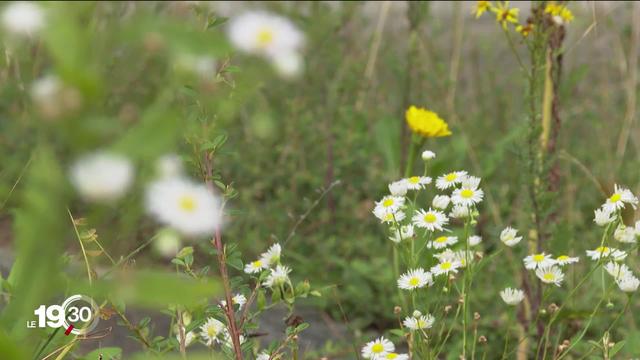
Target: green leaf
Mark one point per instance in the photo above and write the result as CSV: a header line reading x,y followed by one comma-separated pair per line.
x,y
616,348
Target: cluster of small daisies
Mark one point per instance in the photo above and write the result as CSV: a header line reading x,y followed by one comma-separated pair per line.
x,y
381,349
278,274
549,269
172,198
457,198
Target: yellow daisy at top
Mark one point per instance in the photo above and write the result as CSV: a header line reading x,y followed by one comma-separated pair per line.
x,y
524,30
505,15
426,123
559,11
481,7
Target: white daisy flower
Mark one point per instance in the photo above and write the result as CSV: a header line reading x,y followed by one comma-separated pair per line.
x,y
628,283
238,299
102,177
255,266
417,182
388,216
535,261
396,356
605,252
474,240
450,180
466,196
442,242
550,275
625,234
603,217
23,18
637,227
445,267
461,256
415,279
405,232
228,342
616,270
277,277
271,257
398,188
428,155
431,220
512,296
419,321
264,34
509,236
211,331
470,182
440,202
619,198
188,338
377,349
184,205
390,203
565,260
459,212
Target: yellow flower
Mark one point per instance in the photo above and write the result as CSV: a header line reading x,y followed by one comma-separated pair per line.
x,y
505,15
426,123
481,7
524,30
559,11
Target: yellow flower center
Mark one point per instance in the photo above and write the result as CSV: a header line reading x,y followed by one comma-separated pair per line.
x,y
414,179
445,265
563,258
450,177
602,249
466,193
615,197
430,218
538,258
257,264
212,332
549,276
441,239
187,203
392,356
387,202
377,348
422,323
414,281
265,37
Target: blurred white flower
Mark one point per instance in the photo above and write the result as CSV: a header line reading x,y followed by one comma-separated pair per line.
x,y
440,202
263,33
405,232
467,196
277,277
602,217
450,180
604,252
255,267
271,257
389,203
23,18
102,177
428,155
442,242
263,356
474,240
430,219
184,205
535,261
446,266
288,64
512,296
417,182
459,212
188,337
565,260
419,321
238,299
618,271
509,236
167,243
625,234
169,166
398,188
628,283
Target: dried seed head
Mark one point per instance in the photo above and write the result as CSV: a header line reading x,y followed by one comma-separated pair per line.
x,y
397,310
552,308
447,308
476,316
482,339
